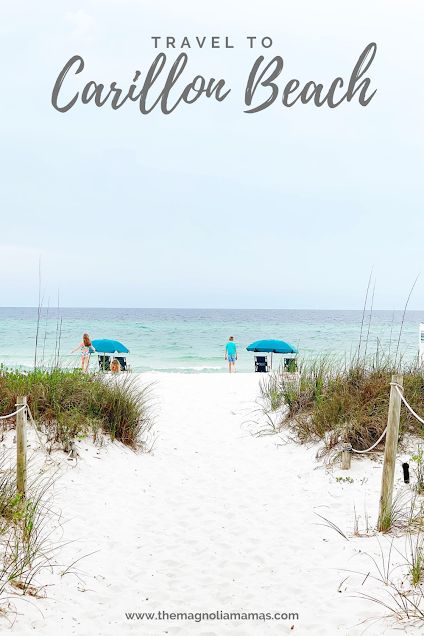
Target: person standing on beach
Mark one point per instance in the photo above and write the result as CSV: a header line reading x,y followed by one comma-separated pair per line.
x,y
231,354
86,348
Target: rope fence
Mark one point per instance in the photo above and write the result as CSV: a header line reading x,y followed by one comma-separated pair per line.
x,y
19,410
408,406
367,450
391,432
22,414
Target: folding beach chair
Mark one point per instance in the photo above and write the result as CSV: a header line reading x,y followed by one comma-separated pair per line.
x,y
290,365
123,362
104,362
261,364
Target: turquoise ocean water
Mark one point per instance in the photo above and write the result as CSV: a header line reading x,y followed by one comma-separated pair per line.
x,y
193,340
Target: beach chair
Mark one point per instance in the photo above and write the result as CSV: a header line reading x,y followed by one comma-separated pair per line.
x,y
290,365
261,364
104,362
123,362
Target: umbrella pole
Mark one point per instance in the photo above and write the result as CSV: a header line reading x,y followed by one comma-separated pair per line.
x,y
271,360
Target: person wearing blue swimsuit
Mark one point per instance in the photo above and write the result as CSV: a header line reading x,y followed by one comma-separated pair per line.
x,y
231,354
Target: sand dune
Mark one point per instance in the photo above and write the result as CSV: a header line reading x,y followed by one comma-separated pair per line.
x,y
212,520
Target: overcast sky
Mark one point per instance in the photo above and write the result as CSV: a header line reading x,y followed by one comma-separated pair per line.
x,y
209,206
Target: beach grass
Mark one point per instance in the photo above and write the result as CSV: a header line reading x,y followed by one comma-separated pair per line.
x,y
71,404
66,405
26,545
335,401
332,400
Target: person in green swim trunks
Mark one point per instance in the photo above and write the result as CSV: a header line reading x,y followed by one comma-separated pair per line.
x,y
231,354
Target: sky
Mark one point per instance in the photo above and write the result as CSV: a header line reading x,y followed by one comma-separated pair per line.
x,y
210,206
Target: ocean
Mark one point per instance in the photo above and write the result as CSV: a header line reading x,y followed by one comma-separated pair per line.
x,y
193,340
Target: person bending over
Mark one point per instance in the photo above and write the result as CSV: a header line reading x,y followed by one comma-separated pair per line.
x,y
86,349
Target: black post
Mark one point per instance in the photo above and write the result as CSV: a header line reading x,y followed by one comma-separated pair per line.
x,y
405,468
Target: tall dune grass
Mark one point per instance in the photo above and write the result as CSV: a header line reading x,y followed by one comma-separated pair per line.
x,y
26,543
66,405
69,403
334,401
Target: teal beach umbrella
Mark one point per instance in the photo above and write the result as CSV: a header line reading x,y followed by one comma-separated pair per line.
x,y
109,346
272,346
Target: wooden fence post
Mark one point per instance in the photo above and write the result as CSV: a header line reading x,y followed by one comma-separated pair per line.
x,y
346,456
390,450
21,460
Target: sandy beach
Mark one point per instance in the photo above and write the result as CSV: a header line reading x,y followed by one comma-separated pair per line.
x,y
213,519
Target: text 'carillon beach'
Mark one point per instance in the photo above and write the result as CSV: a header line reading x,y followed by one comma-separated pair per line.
x,y
168,88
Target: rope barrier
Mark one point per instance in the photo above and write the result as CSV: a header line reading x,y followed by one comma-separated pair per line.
x,y
6,417
410,409
34,424
373,446
402,397
35,428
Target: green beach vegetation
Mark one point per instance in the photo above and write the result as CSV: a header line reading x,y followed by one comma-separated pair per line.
x,y
70,404
26,545
66,406
330,402
333,401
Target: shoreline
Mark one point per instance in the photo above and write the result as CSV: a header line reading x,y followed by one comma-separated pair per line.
x,y
176,340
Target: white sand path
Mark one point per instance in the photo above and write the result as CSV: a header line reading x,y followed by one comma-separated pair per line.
x,y
214,519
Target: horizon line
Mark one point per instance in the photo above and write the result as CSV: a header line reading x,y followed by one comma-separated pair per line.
x,y
55,308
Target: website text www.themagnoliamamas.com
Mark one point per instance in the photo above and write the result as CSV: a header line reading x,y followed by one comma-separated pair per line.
x,y
219,615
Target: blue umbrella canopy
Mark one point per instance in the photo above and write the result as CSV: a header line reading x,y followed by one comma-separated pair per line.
x,y
272,346
109,346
